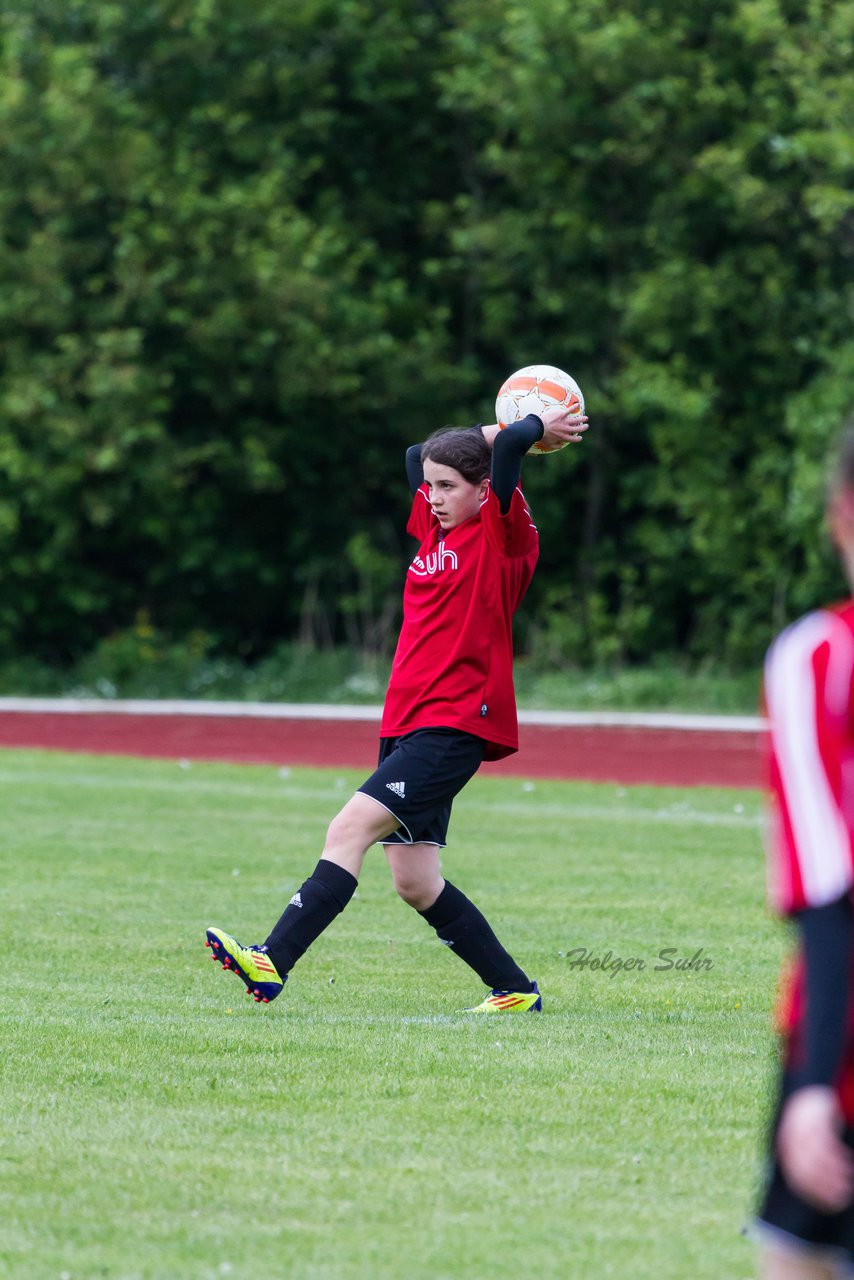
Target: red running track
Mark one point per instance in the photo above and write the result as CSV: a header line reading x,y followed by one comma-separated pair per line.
x,y
623,754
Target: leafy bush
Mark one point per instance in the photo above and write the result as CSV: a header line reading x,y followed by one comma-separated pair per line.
x,y
250,252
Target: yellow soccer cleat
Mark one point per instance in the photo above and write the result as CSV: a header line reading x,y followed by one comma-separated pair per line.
x,y
251,964
510,1002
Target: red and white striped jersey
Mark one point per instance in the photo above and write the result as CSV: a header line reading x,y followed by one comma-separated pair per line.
x,y
809,697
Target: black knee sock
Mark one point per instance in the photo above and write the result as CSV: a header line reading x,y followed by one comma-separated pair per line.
x,y
315,905
458,923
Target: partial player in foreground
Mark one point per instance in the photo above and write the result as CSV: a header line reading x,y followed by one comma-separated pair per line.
x,y
450,705
806,1220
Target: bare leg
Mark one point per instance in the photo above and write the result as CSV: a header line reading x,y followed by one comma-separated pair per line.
x,y
418,879
361,823
416,872
331,885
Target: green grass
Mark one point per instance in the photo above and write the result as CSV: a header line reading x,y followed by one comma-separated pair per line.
x,y
160,1125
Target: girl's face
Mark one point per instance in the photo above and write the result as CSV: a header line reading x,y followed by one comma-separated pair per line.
x,y
452,497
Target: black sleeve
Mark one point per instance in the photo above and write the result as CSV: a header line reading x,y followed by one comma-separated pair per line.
x,y
414,469
827,937
508,450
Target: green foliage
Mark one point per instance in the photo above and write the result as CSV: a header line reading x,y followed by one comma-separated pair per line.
x,y
251,252
190,309
674,218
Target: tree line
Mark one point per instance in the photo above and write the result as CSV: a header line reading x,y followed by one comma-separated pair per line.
x,y
250,252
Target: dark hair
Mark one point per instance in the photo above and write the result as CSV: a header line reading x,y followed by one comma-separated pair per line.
x,y
461,448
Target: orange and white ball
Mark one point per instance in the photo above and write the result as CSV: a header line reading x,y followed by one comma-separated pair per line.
x,y
533,389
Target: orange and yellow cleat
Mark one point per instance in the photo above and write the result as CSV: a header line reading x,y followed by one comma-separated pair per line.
x,y
251,964
510,1002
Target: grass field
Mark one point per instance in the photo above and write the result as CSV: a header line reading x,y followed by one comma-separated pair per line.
x,y
158,1124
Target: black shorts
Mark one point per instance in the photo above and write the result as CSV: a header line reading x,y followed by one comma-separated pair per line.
x,y
417,778
787,1221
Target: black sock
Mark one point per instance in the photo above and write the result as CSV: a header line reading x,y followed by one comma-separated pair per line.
x,y
315,905
458,923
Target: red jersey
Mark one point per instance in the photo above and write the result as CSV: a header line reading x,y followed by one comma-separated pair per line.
x,y
453,667
809,694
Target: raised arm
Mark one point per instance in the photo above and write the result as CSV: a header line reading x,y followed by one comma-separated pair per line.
x,y
414,469
556,426
508,449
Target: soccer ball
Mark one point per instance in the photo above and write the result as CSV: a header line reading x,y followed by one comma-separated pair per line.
x,y
532,389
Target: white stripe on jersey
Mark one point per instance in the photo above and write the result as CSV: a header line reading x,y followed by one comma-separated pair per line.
x,y
822,843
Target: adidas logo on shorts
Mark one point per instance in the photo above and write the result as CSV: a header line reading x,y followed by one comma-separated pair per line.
x,y
399,788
